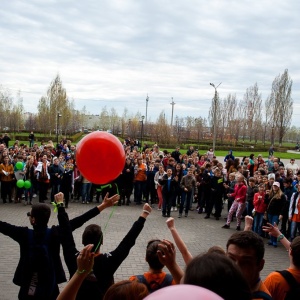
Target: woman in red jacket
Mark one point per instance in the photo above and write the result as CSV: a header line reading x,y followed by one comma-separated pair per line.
x,y
260,207
239,203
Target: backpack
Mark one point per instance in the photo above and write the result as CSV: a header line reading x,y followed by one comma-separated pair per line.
x,y
294,291
153,285
42,279
261,295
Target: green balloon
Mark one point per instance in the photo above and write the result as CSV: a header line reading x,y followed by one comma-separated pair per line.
x,y
20,183
19,165
27,184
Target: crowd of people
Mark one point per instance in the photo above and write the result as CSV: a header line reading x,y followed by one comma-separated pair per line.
x,y
264,189
263,192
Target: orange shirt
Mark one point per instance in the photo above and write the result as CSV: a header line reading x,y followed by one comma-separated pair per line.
x,y
277,285
141,174
156,277
296,217
262,288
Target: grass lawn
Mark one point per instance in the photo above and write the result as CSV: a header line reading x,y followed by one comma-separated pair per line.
x,y
283,155
264,154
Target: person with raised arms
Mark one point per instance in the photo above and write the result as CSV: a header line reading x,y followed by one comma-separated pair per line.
x,y
105,264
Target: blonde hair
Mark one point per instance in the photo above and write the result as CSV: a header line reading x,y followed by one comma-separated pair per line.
x,y
276,195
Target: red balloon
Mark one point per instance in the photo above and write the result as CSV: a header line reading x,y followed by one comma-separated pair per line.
x,y
100,157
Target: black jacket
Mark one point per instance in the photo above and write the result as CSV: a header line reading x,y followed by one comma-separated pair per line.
x,y
275,206
55,169
105,264
164,183
20,235
250,193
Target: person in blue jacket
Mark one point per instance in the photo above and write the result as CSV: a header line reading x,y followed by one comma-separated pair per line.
x,y
229,156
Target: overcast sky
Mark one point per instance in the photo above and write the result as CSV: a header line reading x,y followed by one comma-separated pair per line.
x,y
113,53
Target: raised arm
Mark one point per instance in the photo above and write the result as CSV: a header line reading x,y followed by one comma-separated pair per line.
x,y
187,256
274,231
118,255
65,230
66,235
80,220
85,262
248,223
167,256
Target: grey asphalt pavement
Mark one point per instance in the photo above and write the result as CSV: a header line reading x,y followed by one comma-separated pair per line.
x,y
199,234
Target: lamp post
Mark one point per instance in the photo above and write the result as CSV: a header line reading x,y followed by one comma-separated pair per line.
x,y
215,113
57,127
142,131
147,100
272,137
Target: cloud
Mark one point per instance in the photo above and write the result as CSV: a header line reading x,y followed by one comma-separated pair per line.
x,y
112,53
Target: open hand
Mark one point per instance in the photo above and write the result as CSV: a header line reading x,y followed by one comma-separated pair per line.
x,y
107,202
85,260
166,253
272,229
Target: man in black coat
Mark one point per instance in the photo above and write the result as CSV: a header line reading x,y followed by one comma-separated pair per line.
x,y
105,264
38,217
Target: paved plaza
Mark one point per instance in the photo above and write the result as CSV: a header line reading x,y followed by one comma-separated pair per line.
x,y
199,234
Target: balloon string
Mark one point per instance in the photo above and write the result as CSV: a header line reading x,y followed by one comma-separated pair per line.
x,y
110,216
99,189
100,241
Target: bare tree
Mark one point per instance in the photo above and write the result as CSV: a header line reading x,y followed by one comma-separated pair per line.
x,y
31,122
179,129
237,123
229,115
58,102
189,123
227,112
43,119
17,115
114,120
162,129
199,124
214,115
281,97
104,119
6,103
293,134
253,103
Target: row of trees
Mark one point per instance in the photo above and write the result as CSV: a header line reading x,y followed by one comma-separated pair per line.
x,y
11,112
55,112
248,118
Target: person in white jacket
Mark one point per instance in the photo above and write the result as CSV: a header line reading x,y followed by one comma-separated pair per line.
x,y
159,175
293,166
294,213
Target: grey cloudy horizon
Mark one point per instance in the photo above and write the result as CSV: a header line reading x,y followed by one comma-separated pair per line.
x,y
114,53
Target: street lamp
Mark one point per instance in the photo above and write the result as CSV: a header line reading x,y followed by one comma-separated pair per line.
x,y
142,131
147,100
272,137
57,127
215,113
